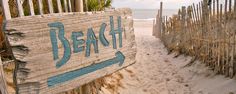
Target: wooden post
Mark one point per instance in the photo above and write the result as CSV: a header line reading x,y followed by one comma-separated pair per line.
x,y
6,10
79,6
20,8
3,85
40,3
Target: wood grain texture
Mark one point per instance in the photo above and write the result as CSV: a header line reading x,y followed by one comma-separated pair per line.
x,y
3,85
31,45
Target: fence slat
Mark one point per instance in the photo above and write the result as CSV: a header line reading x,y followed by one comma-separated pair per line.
x,y
214,7
213,18
234,7
65,6
31,7
226,8
59,6
230,6
234,30
70,8
6,10
20,8
160,20
40,3
50,6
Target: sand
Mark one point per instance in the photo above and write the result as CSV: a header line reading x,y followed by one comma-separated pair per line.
x,y
156,72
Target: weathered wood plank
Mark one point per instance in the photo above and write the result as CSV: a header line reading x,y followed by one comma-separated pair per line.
x,y
85,50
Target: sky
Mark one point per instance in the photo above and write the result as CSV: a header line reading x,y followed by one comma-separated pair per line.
x,y
152,4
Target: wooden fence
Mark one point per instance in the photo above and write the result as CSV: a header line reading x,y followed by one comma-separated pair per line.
x,y
39,7
206,31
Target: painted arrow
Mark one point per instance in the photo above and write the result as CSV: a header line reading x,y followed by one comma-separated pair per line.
x,y
61,78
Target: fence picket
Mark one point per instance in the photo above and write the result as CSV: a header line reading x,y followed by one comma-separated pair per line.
x,y
59,6
50,6
20,8
31,7
6,9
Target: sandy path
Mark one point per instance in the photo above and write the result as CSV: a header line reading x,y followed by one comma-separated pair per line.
x,y
155,72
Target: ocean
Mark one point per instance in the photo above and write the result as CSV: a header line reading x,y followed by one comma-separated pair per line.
x,y
150,14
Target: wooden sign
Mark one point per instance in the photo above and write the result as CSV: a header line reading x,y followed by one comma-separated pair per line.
x,y
61,52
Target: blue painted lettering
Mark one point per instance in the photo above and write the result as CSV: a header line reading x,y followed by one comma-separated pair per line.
x,y
67,51
77,42
114,32
102,36
61,78
91,39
